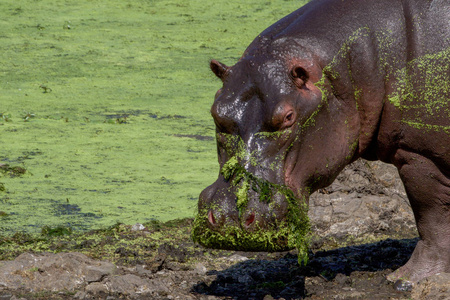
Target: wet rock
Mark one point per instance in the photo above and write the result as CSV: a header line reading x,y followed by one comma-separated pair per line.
x,y
436,287
96,288
142,271
128,284
200,269
403,285
52,272
366,197
137,227
237,258
80,295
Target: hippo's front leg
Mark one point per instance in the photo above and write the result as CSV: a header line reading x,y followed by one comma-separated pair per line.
x,y
428,191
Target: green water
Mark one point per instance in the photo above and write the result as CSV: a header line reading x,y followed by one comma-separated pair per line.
x,y
106,105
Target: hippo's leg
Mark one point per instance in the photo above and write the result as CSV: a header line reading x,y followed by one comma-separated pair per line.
x,y
428,191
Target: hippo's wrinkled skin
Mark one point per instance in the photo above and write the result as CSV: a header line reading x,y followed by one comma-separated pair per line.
x,y
334,81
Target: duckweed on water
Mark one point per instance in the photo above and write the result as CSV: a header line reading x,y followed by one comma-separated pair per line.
x,y
102,99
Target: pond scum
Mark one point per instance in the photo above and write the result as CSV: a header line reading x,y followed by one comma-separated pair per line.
x,y
105,104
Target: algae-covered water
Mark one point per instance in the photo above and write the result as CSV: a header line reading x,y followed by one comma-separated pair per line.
x,y
104,106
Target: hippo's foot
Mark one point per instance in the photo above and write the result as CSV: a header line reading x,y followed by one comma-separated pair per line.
x,y
424,262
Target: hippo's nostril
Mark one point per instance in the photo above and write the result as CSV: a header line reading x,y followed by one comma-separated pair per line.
x,y
211,218
250,219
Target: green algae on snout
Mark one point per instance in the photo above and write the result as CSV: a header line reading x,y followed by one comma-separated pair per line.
x,y
277,238
290,231
230,169
242,195
237,174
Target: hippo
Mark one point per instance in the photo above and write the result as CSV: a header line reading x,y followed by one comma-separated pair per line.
x,y
334,81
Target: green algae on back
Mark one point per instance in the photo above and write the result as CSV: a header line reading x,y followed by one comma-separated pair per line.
x,y
424,85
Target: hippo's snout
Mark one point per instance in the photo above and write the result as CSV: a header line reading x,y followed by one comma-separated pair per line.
x,y
218,205
226,222
249,220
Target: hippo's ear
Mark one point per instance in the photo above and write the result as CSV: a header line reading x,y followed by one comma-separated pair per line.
x,y
218,68
299,76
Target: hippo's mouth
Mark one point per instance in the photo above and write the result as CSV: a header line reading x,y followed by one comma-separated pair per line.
x,y
290,231
278,238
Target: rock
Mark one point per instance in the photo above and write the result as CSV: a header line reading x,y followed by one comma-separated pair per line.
x,y
236,258
403,285
137,227
200,269
80,295
435,287
128,284
96,288
132,285
52,272
366,197
142,271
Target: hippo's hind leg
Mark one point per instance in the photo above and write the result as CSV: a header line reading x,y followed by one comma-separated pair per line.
x,y
428,191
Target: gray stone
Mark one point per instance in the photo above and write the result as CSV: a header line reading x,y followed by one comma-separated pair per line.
x,y
52,272
80,295
365,197
133,285
96,288
236,258
137,227
200,269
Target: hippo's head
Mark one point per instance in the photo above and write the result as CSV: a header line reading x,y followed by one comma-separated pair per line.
x,y
278,139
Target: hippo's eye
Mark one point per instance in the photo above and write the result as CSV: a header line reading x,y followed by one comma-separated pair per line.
x,y
299,76
289,119
284,116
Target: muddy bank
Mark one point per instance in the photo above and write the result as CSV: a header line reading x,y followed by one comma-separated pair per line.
x,y
351,272
351,254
